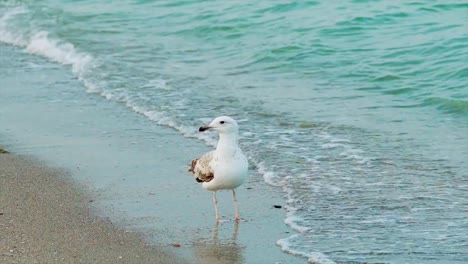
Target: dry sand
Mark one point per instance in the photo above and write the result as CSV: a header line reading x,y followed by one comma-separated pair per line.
x,y
45,219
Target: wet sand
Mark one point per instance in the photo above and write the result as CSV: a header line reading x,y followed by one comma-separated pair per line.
x,y
44,219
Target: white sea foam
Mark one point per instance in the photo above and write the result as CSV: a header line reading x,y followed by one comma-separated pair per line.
x,y
7,35
312,257
39,43
292,221
268,176
346,150
164,119
158,84
331,145
59,51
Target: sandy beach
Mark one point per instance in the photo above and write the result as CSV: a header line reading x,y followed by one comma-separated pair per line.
x,y
45,219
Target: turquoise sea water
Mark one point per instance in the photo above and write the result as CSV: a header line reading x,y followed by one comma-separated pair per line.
x,y
356,110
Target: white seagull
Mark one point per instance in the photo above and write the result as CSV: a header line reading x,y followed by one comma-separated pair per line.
x,y
224,168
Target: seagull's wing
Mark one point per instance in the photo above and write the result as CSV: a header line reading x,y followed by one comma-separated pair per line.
x,y
201,167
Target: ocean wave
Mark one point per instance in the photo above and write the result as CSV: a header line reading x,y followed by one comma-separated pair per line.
x,y
268,176
59,51
292,220
312,257
38,42
7,35
454,106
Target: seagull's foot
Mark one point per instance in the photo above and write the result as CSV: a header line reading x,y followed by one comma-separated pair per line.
x,y
238,219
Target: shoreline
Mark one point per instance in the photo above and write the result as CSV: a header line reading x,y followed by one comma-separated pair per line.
x,y
44,217
135,169
47,216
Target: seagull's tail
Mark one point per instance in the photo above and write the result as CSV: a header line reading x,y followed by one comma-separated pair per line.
x,y
192,166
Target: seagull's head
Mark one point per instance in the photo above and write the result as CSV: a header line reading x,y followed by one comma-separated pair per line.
x,y
222,124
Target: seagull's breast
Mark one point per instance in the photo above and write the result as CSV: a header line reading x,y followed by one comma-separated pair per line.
x,y
230,171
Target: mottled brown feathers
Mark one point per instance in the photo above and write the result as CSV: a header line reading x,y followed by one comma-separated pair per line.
x,y
205,178
201,168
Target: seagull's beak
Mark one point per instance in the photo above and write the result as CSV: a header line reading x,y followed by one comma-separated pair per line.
x,y
204,128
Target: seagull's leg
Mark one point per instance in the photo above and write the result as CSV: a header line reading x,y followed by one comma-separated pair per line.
x,y
215,202
236,209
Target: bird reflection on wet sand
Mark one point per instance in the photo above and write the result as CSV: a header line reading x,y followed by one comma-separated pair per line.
x,y
221,248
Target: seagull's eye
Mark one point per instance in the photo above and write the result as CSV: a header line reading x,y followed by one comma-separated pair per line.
x,y
221,122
